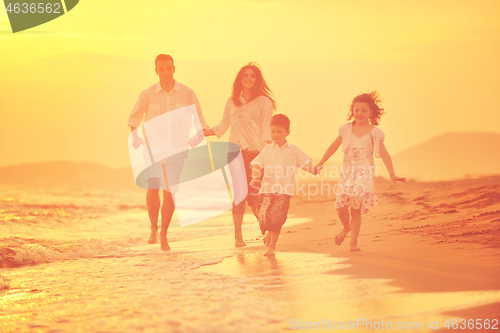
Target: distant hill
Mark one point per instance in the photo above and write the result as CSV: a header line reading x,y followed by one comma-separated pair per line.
x,y
445,157
71,174
450,156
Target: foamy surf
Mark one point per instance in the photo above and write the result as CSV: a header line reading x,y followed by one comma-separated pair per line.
x,y
87,264
155,291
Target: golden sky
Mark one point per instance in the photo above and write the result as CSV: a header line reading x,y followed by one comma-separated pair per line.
x,y
67,87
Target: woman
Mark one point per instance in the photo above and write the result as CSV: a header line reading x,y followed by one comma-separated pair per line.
x,y
248,112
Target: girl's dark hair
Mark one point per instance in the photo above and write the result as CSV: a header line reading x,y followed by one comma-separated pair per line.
x,y
373,101
260,88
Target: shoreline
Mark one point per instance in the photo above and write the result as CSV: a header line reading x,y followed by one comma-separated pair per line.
x,y
422,238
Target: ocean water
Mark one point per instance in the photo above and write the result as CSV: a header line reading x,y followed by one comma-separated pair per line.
x,y
79,261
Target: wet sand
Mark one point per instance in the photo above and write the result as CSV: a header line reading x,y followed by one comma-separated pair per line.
x,y
424,239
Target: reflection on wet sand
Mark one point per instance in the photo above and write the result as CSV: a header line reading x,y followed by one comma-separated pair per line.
x,y
313,295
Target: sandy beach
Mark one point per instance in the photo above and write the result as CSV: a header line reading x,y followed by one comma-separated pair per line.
x,y
432,247
430,255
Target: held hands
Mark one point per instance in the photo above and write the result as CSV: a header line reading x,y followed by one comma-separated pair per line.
x,y
208,132
315,170
395,179
196,139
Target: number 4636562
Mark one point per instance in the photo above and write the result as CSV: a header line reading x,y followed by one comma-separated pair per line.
x,y
33,8
472,324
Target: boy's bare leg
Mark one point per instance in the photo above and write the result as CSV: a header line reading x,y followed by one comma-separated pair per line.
x,y
266,238
153,204
273,239
344,218
356,227
167,210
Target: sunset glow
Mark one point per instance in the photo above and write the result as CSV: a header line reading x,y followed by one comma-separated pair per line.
x,y
68,86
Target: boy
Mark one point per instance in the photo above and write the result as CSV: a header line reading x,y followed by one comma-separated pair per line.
x,y
279,162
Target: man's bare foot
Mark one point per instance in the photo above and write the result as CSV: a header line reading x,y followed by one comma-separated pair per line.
x,y
239,243
355,249
341,236
153,236
270,253
164,243
266,238
165,246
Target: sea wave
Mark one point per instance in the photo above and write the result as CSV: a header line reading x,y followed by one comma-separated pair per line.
x,y
17,251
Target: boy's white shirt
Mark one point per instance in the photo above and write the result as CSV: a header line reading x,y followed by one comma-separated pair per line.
x,y
280,166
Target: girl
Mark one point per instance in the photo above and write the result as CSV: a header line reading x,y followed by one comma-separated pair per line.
x,y
248,112
360,141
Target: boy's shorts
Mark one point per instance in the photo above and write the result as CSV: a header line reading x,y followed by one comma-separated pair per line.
x,y
273,211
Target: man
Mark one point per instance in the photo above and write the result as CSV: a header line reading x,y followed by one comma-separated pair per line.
x,y
165,96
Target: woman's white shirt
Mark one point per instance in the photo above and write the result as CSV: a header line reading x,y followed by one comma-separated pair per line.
x,y
249,123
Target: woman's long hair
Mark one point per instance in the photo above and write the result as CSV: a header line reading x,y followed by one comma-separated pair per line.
x,y
260,88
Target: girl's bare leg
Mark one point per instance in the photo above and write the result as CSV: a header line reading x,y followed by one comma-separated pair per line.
x,y
273,239
344,218
356,226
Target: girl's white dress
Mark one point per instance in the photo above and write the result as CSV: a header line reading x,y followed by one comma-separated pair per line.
x,y
356,186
